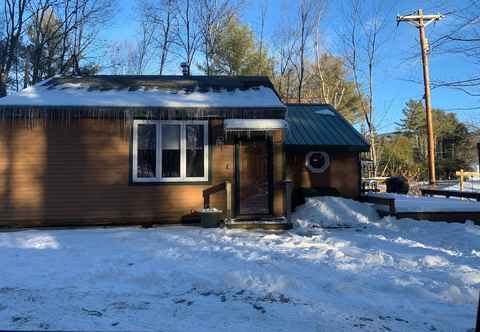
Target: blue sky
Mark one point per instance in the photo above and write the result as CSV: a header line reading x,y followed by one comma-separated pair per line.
x,y
398,74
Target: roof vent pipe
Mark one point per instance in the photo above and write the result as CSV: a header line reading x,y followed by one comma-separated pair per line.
x,y
185,69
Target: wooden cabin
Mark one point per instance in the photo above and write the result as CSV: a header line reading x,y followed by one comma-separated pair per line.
x,y
106,150
323,153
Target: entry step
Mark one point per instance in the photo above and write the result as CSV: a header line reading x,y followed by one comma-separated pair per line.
x,y
259,223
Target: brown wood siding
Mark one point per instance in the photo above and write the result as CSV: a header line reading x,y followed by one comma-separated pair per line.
x,y
77,173
342,174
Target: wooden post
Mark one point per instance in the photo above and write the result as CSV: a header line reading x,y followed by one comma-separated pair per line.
x,y
478,152
428,104
228,190
478,315
420,21
287,201
461,179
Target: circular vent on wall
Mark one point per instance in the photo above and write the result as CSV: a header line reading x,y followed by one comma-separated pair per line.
x,y
317,161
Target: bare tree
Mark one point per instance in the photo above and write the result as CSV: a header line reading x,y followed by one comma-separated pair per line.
x,y
187,35
60,32
284,48
362,43
46,32
331,89
462,40
309,12
213,16
90,17
159,18
263,15
144,46
14,19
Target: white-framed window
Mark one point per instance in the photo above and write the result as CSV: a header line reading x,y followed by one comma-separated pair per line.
x,y
170,151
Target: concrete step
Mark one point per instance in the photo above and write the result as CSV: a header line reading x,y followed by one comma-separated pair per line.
x,y
260,223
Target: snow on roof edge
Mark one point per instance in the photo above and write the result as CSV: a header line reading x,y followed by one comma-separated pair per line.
x,y
76,95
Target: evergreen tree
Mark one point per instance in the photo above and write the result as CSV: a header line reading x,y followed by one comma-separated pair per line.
x,y
237,52
452,140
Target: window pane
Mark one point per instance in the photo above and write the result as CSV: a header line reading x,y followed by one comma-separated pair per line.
x,y
147,146
195,149
171,151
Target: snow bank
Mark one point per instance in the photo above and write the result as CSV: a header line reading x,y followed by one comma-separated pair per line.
x,y
333,212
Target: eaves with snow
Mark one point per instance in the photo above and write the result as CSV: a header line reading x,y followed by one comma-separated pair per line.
x,y
148,92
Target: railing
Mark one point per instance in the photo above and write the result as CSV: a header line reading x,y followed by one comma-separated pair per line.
x,y
224,186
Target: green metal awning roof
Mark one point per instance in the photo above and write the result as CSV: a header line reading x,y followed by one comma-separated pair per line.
x,y
321,126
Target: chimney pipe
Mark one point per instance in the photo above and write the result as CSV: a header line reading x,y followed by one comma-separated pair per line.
x,y
185,69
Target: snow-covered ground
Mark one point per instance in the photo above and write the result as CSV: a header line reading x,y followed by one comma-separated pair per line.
x,y
377,275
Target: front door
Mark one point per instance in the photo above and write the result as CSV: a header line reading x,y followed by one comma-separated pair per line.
x,y
253,173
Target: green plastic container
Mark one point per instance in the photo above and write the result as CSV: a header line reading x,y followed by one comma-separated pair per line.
x,y
210,218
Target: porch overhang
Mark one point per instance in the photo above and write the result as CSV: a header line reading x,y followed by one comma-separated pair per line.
x,y
254,124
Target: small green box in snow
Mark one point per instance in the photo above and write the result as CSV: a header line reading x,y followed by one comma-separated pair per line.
x,y
210,218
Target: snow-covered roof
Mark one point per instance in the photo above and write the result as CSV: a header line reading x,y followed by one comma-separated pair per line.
x,y
149,91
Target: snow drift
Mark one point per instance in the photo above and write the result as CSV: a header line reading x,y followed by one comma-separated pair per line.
x,y
333,212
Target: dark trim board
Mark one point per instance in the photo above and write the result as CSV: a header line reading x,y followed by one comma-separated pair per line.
x,y
327,148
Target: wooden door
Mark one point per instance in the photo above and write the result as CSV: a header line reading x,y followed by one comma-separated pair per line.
x,y
253,177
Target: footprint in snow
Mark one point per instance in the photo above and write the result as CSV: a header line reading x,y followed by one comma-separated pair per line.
x,y
20,319
259,308
92,312
188,303
44,326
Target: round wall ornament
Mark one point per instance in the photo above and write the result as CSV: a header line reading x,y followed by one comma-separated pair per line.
x,y
317,161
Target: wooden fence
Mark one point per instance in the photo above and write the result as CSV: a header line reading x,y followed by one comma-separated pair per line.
x,y
462,174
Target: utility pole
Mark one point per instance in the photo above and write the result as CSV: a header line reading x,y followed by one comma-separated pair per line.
x,y
420,21
478,315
